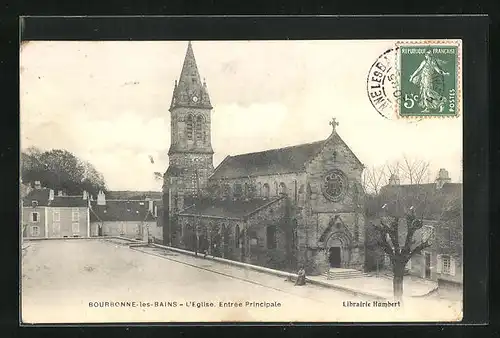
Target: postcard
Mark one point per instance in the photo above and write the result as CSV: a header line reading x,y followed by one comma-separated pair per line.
x,y
241,181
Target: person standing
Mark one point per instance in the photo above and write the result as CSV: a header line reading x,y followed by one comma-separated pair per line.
x,y
301,277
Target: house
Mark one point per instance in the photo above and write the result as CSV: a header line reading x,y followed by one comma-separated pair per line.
x,y
132,218
46,215
277,208
442,224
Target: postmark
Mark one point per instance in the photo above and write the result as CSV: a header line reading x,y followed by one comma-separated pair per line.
x,y
382,83
430,78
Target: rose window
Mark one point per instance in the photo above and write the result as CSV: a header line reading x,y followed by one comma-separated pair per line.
x,y
334,185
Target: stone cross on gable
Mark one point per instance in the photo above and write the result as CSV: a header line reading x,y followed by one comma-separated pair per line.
x,y
334,123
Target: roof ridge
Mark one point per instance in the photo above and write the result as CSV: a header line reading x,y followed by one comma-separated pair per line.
x,y
282,148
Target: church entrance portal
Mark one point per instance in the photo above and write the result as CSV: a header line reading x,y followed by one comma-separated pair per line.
x,y
334,257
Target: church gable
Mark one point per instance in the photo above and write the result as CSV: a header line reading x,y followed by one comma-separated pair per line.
x,y
334,176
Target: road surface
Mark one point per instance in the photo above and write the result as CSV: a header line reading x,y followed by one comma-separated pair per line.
x,y
96,281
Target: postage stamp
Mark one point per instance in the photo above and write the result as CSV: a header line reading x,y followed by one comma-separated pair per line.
x,y
430,78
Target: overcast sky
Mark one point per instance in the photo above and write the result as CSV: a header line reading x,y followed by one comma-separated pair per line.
x,y
107,102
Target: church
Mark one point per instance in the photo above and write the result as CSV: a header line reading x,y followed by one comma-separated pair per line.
x,y
280,208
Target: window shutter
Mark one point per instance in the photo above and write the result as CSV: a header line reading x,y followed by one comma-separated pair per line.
x,y
452,266
439,264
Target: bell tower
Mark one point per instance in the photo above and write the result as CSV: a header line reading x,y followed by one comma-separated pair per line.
x,y
190,153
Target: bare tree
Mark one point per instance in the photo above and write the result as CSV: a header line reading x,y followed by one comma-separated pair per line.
x,y
401,216
399,220
415,171
373,179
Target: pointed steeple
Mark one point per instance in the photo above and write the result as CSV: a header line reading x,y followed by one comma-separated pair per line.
x,y
190,91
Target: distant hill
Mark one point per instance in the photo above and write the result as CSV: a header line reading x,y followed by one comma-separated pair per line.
x,y
132,195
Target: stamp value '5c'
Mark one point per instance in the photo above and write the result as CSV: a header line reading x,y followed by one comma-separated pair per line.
x,y
430,78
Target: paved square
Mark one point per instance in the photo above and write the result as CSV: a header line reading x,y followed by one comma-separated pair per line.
x,y
61,278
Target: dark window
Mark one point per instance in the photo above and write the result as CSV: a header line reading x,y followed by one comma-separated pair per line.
x,y
246,190
227,190
282,188
199,128
237,236
271,237
294,234
266,190
34,217
189,127
237,190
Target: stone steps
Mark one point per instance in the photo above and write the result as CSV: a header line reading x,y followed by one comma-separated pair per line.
x,y
344,274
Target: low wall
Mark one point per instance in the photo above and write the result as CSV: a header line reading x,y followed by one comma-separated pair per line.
x,y
274,272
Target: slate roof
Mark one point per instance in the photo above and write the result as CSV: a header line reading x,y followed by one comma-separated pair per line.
x,y
274,161
132,195
429,201
40,195
232,209
68,201
121,210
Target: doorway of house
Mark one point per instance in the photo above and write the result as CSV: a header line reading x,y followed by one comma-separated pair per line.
x,y
427,257
334,257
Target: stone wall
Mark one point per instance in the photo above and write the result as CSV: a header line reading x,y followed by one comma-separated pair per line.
x,y
348,207
292,185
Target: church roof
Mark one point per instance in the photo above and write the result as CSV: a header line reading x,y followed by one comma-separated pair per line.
x,y
190,91
230,209
274,161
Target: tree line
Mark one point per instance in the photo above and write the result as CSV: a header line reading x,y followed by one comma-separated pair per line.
x,y
60,169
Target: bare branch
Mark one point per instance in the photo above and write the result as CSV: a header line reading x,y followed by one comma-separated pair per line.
x,y
419,248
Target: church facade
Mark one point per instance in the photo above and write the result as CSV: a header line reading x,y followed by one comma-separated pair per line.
x,y
280,208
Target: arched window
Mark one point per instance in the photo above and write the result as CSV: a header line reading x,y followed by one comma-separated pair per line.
x,y
271,237
189,127
237,236
294,234
237,190
282,189
199,128
226,190
266,189
246,191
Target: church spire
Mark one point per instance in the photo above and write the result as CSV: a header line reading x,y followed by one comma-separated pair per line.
x,y
189,91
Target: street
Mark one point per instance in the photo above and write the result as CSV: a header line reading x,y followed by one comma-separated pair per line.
x,y
95,281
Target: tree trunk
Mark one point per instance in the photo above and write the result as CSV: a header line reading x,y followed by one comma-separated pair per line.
x,y
397,282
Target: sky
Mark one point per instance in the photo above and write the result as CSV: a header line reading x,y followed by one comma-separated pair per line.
x,y
107,102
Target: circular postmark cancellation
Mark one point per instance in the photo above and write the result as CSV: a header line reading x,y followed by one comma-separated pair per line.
x,y
382,83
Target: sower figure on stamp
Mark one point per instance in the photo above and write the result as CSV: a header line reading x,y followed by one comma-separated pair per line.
x,y
429,77
301,276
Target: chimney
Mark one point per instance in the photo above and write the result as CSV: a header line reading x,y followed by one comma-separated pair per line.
x,y
60,193
85,195
38,185
51,195
394,180
101,198
443,177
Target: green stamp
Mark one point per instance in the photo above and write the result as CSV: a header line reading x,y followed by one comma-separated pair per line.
x,y
429,80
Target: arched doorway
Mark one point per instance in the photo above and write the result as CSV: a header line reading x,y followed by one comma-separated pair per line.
x,y
335,254
338,250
